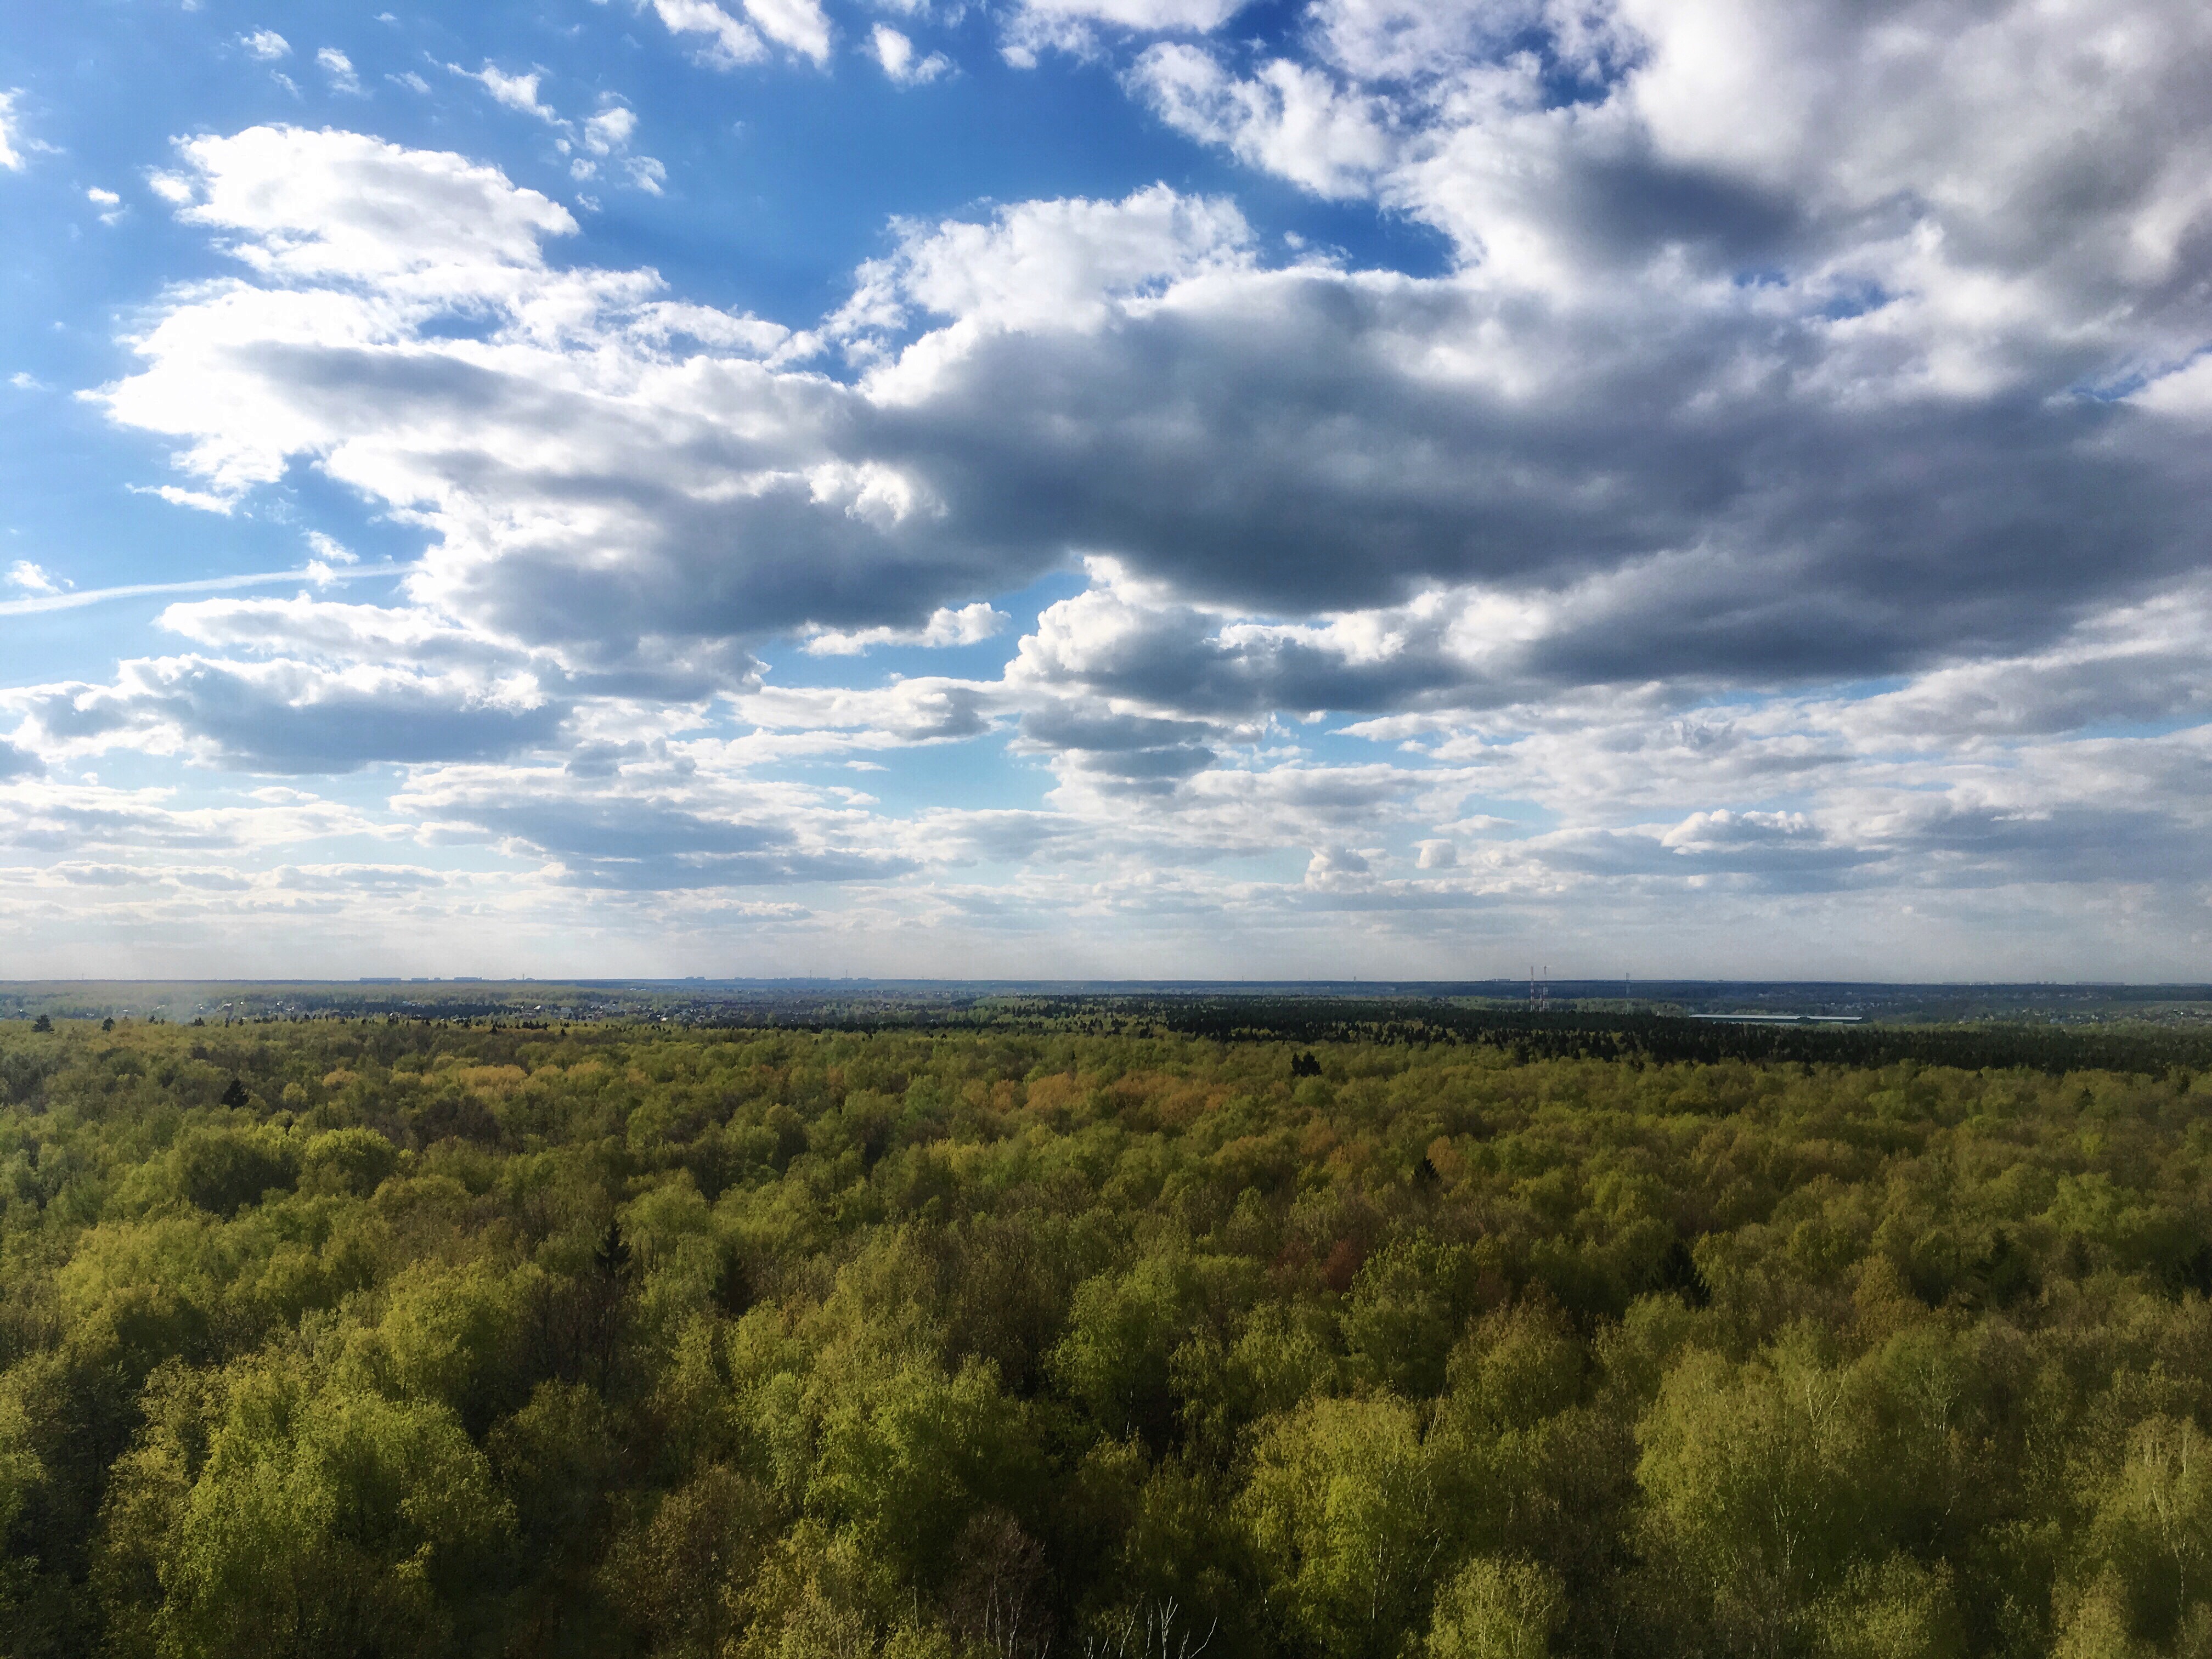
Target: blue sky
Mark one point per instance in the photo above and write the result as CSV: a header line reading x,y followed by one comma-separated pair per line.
x,y
1105,487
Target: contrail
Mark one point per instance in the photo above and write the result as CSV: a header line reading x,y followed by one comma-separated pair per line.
x,y
204,584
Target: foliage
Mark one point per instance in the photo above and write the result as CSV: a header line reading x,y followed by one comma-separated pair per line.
x,y
349,1336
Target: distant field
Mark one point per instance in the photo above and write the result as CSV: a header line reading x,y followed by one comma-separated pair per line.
x,y
514,1333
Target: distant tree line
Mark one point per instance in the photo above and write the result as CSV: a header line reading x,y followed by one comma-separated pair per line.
x,y
1600,1034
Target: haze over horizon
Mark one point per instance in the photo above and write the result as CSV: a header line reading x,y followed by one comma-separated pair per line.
x,y
1107,488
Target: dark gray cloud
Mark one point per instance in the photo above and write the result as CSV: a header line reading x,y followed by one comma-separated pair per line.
x,y
1277,461
654,827
286,717
1961,845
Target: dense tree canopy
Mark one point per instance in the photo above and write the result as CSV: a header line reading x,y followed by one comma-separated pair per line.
x,y
354,1338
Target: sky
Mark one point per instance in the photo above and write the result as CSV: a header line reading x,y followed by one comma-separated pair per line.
x,y
1093,489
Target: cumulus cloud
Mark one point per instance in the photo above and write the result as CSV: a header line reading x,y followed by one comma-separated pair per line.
x,y
11,142
35,579
662,822
922,710
327,631
18,763
605,139
51,817
1287,118
339,68
1348,415
797,26
1791,491
1042,268
610,130
1074,25
330,556
1145,15
1472,477
301,206
1385,40
265,45
729,42
518,92
287,716
600,455
972,624
894,52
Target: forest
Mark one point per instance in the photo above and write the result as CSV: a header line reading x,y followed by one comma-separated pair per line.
x,y
368,1336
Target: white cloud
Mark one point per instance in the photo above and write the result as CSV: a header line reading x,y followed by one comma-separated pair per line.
x,y
605,138
290,716
2185,391
11,142
1288,119
1921,159
1416,40
329,548
926,709
894,54
1160,265
730,42
1072,25
1377,392
358,211
798,26
331,555
1335,861
18,763
970,625
201,501
517,92
265,45
1200,16
315,216
35,579
339,68
655,822
610,130
72,819
1049,265
108,203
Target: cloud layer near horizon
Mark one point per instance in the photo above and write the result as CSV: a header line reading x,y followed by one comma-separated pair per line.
x,y
1779,528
